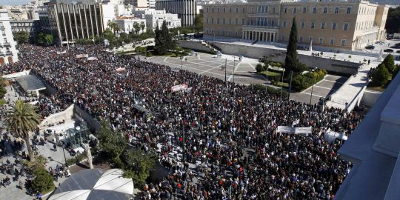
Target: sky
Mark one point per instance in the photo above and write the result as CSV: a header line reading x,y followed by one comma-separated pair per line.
x,y
14,2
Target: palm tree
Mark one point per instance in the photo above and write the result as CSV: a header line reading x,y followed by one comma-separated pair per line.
x,y
22,120
142,26
113,26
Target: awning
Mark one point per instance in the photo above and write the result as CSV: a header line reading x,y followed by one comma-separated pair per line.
x,y
30,83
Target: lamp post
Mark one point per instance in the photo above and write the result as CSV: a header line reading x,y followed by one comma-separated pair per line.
x,y
312,89
181,57
233,70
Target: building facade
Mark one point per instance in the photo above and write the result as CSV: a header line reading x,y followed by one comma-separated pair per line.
x,y
156,18
32,27
346,25
186,9
76,21
8,52
126,24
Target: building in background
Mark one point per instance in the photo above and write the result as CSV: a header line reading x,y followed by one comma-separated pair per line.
x,y
32,27
186,9
141,3
72,21
328,24
126,24
8,52
156,18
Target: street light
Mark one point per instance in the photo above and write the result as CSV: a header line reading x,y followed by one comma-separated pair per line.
x,y
233,70
312,88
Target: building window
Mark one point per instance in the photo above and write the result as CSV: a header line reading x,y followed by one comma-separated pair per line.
x,y
284,23
314,10
266,8
302,24
343,42
237,10
285,11
348,10
309,39
243,21
212,20
273,9
223,21
243,10
304,9
236,21
323,25
332,41
207,21
294,10
312,25
325,10
321,40
346,26
333,25
282,37
217,9
337,10
301,39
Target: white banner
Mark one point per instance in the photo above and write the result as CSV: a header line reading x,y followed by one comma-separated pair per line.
x,y
61,52
179,87
303,130
92,58
295,130
82,56
285,129
330,136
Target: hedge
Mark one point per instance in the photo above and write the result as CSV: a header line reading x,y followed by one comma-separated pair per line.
x,y
301,82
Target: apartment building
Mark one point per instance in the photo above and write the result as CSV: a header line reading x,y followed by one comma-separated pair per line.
x,y
186,9
8,52
349,24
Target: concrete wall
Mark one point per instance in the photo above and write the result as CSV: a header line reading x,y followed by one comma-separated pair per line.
x,y
92,123
370,97
65,115
278,55
195,45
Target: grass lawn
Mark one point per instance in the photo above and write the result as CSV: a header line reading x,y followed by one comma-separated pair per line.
x,y
283,84
270,73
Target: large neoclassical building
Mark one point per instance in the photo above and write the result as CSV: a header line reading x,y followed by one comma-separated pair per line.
x,y
350,24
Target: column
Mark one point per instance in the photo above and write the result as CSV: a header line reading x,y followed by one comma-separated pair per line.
x,y
64,25
95,18
91,20
86,21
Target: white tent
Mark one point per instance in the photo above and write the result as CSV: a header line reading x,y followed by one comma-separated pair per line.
x,y
95,184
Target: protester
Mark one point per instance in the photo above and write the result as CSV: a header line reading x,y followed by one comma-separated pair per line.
x,y
217,139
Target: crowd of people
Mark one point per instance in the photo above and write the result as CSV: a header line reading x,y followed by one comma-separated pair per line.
x,y
225,134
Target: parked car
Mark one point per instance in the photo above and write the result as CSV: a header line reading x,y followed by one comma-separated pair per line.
x,y
398,51
370,47
388,50
396,46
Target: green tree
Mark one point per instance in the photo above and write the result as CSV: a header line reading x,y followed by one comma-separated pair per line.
x,y
22,121
291,62
163,40
392,22
389,63
48,39
113,26
40,39
136,26
138,165
43,181
198,22
21,37
113,144
380,76
142,26
3,90
135,163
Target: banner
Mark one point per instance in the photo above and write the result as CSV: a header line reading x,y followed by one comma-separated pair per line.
x,y
82,56
61,52
295,130
303,130
92,58
285,129
330,136
120,69
179,87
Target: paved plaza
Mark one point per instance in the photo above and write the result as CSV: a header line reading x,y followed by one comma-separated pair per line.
x,y
53,158
243,73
